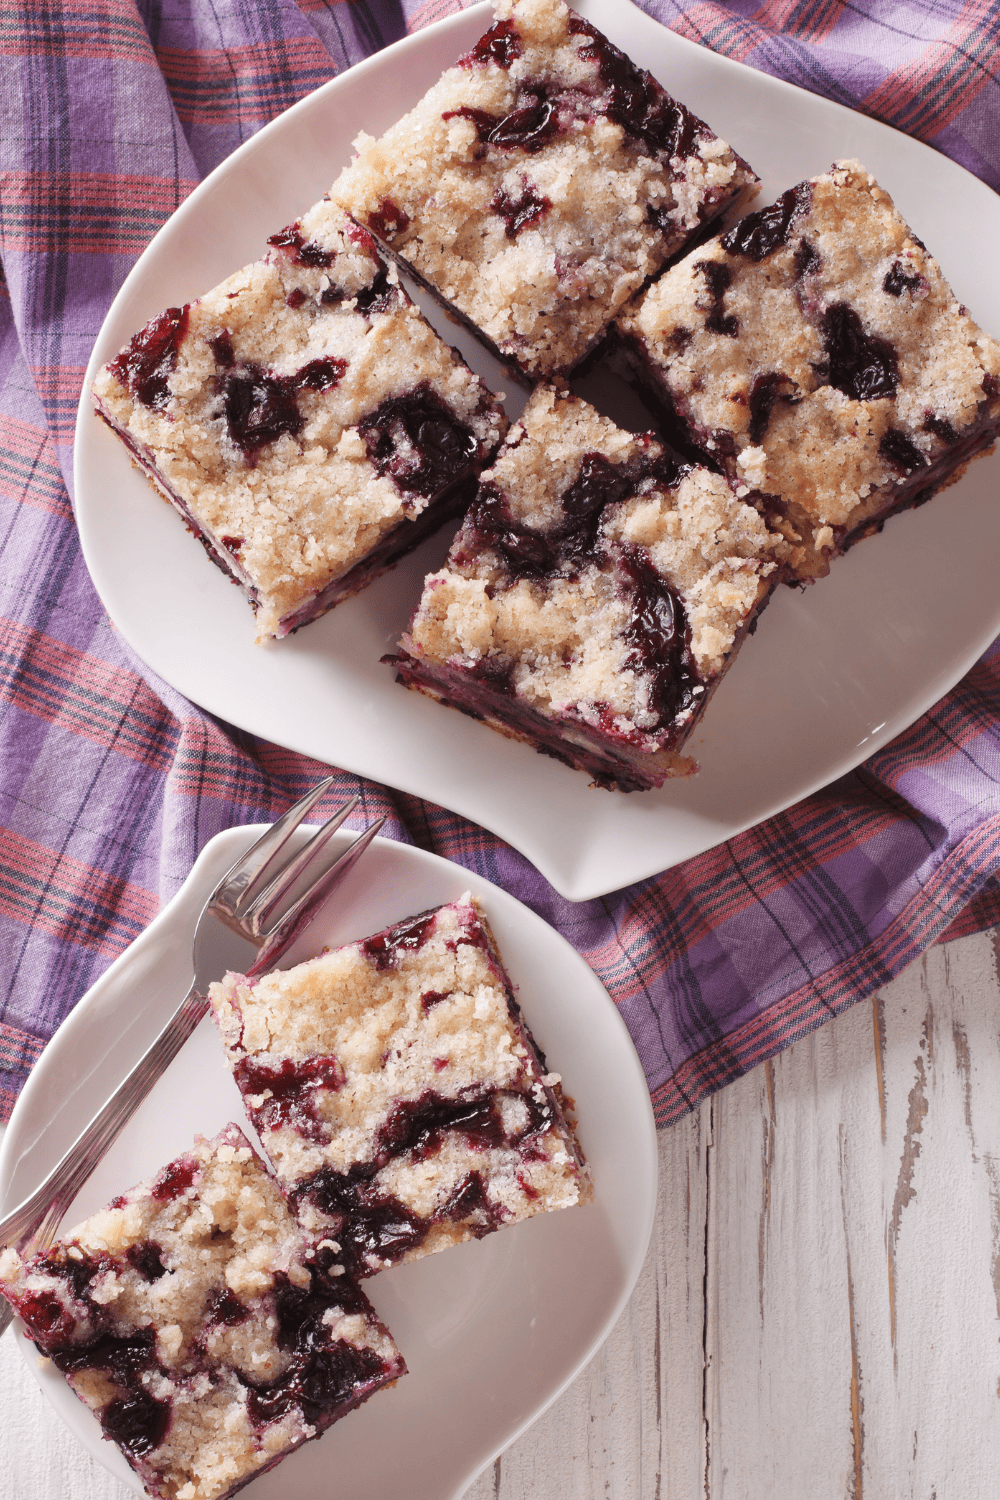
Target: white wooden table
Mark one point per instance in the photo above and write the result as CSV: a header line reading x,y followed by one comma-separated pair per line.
x,y
819,1313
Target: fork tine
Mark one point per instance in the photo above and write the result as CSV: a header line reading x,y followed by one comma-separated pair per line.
x,y
228,900
298,916
255,912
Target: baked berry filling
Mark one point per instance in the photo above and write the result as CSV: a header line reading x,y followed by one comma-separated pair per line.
x,y
759,234
290,1091
635,100
149,359
418,441
501,45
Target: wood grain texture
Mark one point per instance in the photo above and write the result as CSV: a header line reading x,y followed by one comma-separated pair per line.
x,y
819,1314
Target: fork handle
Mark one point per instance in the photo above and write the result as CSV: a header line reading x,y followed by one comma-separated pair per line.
x,y
37,1218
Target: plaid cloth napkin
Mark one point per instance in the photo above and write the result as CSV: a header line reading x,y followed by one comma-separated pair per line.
x,y
110,782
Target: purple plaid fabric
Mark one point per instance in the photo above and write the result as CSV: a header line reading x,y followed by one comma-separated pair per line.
x,y
110,783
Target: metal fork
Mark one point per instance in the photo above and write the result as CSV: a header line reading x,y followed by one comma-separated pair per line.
x,y
246,901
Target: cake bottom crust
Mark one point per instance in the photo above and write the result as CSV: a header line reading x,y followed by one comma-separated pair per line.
x,y
611,762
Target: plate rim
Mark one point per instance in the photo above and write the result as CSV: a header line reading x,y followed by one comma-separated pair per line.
x,y
220,851
576,882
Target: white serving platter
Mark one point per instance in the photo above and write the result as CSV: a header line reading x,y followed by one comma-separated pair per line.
x,y
493,1330
832,673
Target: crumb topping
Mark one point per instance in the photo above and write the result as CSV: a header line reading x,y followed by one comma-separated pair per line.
x,y
817,351
540,182
566,635
207,1332
432,1119
251,405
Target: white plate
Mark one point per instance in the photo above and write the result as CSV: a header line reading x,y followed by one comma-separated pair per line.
x,y
831,674
492,1331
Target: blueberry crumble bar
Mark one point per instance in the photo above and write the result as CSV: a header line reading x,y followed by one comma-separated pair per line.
x,y
594,596
817,355
540,183
398,1092
205,1329
304,418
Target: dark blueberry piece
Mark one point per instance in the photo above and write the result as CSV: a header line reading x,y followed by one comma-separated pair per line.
x,y
862,365
374,1224
321,374
233,544
600,483
524,553
529,126
991,386
174,1180
77,1271
657,639
146,1258
418,441
295,297
501,44
761,233
151,357
302,252
222,347
137,1422
430,998
224,1307
807,260
940,427
718,277
898,281
46,1317
388,219
764,392
518,213
377,297
497,672
469,1201
123,1358
259,408
636,101
385,948
898,450
481,118
416,1126
322,1374
292,1089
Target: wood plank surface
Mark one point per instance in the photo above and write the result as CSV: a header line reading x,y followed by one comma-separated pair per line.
x,y
819,1314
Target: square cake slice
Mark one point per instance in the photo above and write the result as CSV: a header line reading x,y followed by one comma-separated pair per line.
x,y
817,355
206,1330
398,1091
540,183
593,598
304,419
